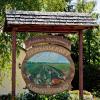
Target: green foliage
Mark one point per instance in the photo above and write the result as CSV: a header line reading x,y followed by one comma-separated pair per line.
x,y
91,40
85,6
20,4
5,38
91,79
92,47
5,55
30,95
5,97
74,95
54,5
68,95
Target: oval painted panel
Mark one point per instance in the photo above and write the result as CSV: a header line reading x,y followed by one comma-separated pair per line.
x,y
47,69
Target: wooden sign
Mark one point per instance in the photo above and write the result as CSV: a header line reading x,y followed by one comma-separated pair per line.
x,y
47,67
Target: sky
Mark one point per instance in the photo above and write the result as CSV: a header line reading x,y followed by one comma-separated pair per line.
x,y
50,57
97,8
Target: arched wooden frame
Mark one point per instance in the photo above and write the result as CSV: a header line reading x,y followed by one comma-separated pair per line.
x,y
48,39
52,48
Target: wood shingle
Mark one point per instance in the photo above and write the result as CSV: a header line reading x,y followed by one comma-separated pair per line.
x,y
68,20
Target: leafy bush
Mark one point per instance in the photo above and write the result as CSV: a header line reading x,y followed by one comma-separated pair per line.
x,y
70,95
67,95
33,96
74,95
5,97
91,79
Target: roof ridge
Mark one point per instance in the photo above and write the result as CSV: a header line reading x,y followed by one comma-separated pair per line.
x,y
47,13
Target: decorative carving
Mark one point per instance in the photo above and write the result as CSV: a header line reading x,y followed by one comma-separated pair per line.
x,y
48,39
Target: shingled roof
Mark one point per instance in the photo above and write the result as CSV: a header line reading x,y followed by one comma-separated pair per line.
x,y
38,21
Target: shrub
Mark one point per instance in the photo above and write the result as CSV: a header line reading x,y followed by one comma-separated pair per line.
x,y
74,95
67,95
91,79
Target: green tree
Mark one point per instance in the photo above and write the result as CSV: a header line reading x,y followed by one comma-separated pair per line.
x,y
5,38
91,50
53,5
91,37
85,6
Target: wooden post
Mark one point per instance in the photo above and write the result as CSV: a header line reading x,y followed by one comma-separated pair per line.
x,y
80,65
13,64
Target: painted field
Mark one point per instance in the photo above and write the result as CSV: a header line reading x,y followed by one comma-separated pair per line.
x,y
44,73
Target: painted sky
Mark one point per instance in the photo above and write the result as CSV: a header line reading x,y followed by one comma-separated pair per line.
x,y
50,57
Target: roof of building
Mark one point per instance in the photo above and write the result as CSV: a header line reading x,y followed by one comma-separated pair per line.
x,y
38,21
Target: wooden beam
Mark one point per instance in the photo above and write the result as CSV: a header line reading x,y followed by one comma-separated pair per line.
x,y
13,64
47,28
80,65
47,31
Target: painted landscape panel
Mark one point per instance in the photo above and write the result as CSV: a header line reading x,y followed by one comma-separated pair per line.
x,y
47,68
